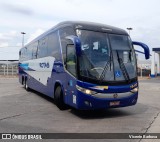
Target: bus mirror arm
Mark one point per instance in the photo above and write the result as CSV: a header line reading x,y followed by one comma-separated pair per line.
x,y
145,47
77,43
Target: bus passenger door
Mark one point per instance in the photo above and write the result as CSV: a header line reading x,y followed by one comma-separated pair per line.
x,y
68,59
71,74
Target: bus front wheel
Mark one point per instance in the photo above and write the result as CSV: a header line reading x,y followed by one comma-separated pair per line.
x,y
58,97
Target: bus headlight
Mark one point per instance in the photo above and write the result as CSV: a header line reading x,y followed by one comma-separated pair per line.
x,y
86,91
134,90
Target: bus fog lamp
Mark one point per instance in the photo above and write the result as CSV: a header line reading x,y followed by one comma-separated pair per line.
x,y
134,90
88,103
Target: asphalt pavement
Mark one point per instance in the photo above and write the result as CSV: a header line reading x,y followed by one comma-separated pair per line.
x,y
32,112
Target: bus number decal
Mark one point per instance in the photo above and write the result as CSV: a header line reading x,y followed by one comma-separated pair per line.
x,y
44,65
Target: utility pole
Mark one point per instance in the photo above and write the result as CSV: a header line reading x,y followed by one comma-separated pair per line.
x,y
129,29
23,33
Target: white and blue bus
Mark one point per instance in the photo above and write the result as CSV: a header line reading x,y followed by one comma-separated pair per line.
x,y
82,64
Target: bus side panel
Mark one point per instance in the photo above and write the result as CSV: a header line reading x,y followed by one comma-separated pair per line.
x,y
38,81
38,72
70,90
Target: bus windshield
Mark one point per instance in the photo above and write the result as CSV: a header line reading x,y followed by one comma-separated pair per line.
x,y
107,57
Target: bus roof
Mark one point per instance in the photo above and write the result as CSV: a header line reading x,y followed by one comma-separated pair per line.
x,y
83,25
92,26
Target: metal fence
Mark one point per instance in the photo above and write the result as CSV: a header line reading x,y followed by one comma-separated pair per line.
x,y
8,69
144,72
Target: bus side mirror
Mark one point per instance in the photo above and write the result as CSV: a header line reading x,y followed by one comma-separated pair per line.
x,y
145,47
76,42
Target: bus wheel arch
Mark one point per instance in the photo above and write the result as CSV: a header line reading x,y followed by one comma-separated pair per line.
x,y
59,96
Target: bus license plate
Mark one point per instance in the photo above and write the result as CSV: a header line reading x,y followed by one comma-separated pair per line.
x,y
115,103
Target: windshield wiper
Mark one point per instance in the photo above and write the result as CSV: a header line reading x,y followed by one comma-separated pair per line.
x,y
123,68
106,67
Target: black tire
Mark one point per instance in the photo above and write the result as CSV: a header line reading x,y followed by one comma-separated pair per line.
x,y
58,97
26,85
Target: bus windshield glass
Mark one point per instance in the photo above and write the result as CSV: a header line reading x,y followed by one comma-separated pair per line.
x,y
106,57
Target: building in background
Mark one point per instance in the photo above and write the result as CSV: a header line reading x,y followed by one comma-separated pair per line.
x,y
9,56
8,67
144,67
155,70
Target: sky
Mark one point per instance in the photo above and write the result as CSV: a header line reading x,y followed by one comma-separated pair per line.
x,y
36,16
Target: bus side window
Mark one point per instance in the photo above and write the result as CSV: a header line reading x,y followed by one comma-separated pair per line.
x,y
42,48
24,54
64,32
34,50
21,55
28,53
54,45
71,60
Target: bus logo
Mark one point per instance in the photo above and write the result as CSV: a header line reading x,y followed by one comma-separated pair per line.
x,y
115,95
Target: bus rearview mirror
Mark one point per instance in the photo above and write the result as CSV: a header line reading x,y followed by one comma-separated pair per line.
x,y
145,47
76,42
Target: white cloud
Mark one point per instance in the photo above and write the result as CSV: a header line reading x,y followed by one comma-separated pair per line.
x,y
3,44
19,44
8,35
143,16
17,8
35,34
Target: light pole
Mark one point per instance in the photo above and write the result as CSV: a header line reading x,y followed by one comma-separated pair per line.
x,y
23,33
129,29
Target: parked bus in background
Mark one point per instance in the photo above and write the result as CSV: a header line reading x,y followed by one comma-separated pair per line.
x,y
82,64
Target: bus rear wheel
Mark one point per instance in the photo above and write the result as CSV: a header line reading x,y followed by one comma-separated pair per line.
x,y
58,97
26,85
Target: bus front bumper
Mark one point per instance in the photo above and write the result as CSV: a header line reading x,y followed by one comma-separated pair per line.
x,y
85,101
